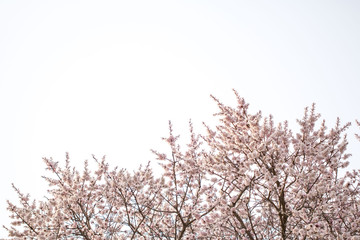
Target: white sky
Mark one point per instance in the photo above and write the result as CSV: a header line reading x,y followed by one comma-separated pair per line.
x,y
104,77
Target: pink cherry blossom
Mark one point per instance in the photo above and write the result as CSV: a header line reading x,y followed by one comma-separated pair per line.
x,y
248,178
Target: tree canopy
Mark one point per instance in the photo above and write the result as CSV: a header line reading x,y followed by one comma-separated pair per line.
x,y
247,178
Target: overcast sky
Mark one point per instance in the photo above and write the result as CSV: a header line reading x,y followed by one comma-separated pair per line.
x,y
104,77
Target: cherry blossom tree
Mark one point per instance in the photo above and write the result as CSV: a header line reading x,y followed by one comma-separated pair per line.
x,y
277,185
247,178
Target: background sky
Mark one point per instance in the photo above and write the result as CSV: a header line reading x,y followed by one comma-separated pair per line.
x,y
104,77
